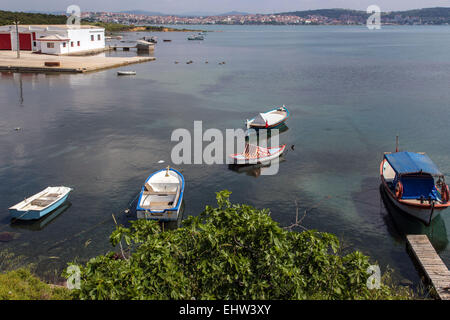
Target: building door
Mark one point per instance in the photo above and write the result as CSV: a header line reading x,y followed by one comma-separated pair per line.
x,y
25,41
5,41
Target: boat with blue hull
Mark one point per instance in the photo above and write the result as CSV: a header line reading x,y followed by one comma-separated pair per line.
x,y
40,204
161,196
414,184
269,120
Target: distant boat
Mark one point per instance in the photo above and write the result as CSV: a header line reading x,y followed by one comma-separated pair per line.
x,y
167,40
254,154
114,38
270,119
150,39
42,203
414,184
126,73
161,196
196,37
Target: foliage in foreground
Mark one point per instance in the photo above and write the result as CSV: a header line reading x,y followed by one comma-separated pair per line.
x,y
21,284
232,251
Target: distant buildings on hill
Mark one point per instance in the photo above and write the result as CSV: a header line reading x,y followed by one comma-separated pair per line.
x,y
341,17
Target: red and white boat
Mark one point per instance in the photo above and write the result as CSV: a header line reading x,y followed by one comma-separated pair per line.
x,y
414,184
254,154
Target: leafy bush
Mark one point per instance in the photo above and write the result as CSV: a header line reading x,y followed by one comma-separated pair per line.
x,y
232,251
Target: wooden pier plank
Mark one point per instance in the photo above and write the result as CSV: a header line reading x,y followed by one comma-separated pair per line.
x,y
432,265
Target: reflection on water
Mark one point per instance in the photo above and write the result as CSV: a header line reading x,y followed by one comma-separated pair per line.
x,y
37,225
262,136
255,170
403,224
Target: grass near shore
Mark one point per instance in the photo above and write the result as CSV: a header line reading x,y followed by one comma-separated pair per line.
x,y
21,284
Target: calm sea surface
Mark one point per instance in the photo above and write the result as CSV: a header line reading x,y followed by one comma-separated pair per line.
x,y
350,91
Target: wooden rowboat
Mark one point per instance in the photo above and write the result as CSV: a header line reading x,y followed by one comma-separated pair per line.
x,y
39,205
161,196
270,119
254,154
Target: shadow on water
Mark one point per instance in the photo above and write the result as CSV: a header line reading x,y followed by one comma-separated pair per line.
x,y
401,224
257,136
37,225
255,170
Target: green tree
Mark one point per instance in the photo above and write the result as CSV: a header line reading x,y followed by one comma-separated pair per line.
x,y
232,251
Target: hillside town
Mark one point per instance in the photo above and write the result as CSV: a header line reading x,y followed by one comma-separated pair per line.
x,y
347,18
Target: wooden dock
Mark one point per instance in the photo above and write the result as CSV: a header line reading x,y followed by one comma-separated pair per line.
x,y
431,264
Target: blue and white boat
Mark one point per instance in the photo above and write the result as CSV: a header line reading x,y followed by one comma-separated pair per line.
x,y
40,204
414,184
161,196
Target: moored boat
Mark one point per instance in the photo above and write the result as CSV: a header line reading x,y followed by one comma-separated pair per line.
x,y
196,37
161,196
40,204
255,154
414,184
270,119
126,73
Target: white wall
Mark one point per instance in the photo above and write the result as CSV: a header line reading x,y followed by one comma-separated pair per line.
x,y
83,35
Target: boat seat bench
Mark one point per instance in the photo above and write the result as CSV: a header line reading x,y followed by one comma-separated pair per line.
x,y
158,193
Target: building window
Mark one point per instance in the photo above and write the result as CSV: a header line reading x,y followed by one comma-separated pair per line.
x,y
78,43
71,43
98,37
50,45
92,37
64,44
34,43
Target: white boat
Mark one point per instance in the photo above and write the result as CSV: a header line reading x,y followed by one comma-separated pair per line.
x,y
254,154
126,73
196,37
161,196
42,203
270,119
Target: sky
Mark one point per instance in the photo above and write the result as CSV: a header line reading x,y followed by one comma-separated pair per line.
x,y
216,6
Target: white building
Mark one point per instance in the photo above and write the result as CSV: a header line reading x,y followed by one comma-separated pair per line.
x,y
53,39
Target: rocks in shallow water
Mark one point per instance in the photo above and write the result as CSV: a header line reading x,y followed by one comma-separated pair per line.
x,y
8,236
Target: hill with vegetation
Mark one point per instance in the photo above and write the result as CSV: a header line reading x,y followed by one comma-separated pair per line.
x,y
438,15
7,17
329,13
